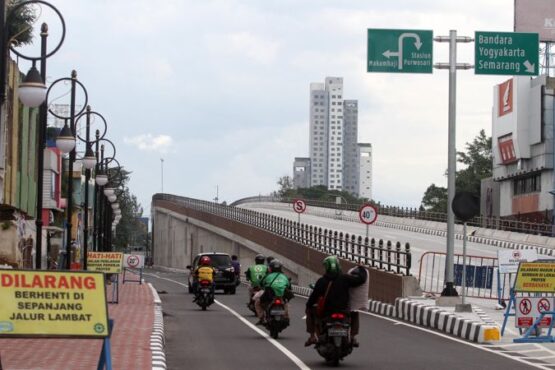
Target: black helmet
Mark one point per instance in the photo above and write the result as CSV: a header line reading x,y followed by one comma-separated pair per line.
x,y
269,260
259,259
275,266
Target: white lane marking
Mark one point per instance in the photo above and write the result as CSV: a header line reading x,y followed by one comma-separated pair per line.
x,y
398,322
276,344
523,351
514,358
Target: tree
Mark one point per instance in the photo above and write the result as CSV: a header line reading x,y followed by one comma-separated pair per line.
x,y
478,160
130,230
285,185
435,199
20,23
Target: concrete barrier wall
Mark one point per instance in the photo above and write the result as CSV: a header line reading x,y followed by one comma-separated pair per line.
x,y
206,232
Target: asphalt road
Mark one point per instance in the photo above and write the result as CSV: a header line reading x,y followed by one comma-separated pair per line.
x,y
223,337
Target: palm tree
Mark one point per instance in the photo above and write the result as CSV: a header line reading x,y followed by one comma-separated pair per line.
x,y
20,23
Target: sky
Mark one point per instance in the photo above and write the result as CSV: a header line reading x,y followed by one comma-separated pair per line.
x,y
220,89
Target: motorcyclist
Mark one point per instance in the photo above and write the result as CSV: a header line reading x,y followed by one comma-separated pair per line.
x,y
269,260
257,272
337,286
275,284
236,268
204,271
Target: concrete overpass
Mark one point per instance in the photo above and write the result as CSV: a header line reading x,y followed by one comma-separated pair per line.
x,y
184,227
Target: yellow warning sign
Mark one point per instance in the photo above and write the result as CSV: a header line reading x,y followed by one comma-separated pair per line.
x,y
52,303
536,277
108,262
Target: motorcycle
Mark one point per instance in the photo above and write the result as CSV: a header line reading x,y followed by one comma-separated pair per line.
x,y
276,320
334,343
204,296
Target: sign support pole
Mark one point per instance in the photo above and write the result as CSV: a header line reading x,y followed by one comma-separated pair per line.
x,y
449,289
367,230
464,265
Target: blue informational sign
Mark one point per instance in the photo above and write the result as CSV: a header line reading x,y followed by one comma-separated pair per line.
x,y
476,276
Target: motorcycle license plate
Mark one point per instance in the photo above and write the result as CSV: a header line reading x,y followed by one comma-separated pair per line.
x,y
338,332
277,312
205,290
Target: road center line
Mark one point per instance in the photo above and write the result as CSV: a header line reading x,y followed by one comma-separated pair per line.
x,y
276,344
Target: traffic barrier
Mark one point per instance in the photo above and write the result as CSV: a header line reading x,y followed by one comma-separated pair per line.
x,y
482,278
447,322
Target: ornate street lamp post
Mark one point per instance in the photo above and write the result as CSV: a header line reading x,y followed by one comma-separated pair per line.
x,y
32,93
65,141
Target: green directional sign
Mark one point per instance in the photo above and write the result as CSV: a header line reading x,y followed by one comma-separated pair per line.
x,y
400,51
506,53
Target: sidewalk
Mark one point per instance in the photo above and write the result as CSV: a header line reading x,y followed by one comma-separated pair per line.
x,y
130,342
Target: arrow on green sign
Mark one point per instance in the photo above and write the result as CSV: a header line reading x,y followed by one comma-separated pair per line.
x,y
391,51
506,53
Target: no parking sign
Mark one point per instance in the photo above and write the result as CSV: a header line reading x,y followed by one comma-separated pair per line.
x,y
134,261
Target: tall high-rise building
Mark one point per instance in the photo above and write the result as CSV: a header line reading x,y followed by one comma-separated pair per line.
x,y
364,160
350,153
336,161
301,172
326,133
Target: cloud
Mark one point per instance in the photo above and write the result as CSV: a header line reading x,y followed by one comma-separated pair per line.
x,y
151,143
244,44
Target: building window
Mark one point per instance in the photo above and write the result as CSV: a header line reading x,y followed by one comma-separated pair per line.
x,y
526,185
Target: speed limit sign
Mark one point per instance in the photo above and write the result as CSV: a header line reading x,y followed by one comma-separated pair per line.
x,y
299,205
368,214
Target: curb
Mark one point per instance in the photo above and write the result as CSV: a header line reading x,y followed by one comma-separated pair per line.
x,y
157,339
445,321
437,318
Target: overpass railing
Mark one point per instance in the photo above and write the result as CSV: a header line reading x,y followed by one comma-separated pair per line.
x,y
375,253
515,225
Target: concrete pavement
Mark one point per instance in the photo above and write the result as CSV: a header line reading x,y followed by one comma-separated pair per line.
x,y
224,337
130,342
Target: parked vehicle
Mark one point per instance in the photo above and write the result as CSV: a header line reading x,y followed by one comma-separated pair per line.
x,y
334,343
224,278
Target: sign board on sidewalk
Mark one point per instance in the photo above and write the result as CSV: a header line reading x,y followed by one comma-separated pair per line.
x,y
108,262
134,261
509,260
368,214
52,303
400,51
506,53
535,277
299,205
528,310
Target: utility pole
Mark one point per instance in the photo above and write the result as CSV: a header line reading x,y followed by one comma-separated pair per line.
x,y
162,172
217,194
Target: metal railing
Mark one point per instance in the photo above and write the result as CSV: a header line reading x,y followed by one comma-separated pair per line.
x,y
482,278
379,254
515,225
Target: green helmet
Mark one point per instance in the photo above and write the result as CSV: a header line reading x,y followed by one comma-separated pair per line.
x,y
331,264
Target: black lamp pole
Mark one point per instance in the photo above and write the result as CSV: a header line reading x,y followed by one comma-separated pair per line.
x,y
101,205
40,151
70,171
95,212
87,178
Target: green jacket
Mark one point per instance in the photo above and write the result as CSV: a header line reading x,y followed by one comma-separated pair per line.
x,y
278,282
256,273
